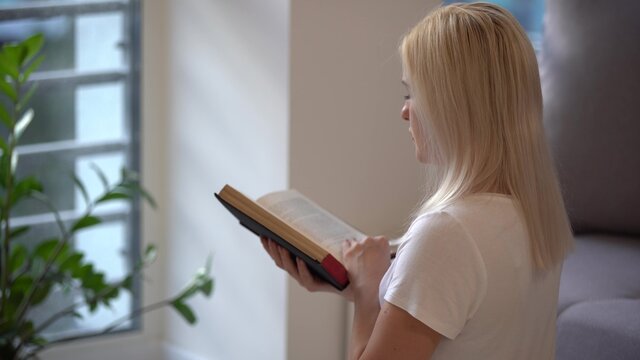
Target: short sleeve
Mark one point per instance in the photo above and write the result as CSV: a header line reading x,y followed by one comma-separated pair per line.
x,y
439,276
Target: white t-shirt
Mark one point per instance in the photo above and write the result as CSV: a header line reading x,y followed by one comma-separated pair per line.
x,y
465,272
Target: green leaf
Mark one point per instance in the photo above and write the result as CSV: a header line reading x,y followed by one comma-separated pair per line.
x,y
82,188
35,64
23,123
110,295
92,280
112,196
39,341
150,254
8,89
33,45
147,196
14,162
101,176
21,284
73,264
128,175
41,293
185,311
10,60
18,256
17,231
26,97
201,282
46,249
4,167
77,315
127,283
85,222
24,188
5,118
207,287
137,188
93,305
26,328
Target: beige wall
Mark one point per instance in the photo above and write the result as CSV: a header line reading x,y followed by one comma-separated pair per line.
x,y
349,149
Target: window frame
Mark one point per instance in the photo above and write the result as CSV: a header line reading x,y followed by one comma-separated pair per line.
x,y
129,74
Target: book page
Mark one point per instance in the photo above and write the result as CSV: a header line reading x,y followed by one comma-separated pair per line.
x,y
310,219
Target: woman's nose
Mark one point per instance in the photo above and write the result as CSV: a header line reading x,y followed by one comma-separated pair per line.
x,y
404,113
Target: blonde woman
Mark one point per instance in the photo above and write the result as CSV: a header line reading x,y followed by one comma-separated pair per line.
x,y
478,270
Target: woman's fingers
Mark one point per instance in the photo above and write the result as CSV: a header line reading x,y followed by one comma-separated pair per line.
x,y
275,254
282,258
305,275
287,262
298,269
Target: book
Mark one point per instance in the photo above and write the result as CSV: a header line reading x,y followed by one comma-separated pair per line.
x,y
296,223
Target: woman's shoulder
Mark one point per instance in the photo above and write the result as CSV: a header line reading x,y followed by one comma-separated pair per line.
x,y
467,219
486,206
433,228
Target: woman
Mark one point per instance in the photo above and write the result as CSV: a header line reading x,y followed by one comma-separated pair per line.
x,y
477,273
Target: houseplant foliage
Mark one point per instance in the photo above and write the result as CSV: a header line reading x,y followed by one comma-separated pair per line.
x,y
30,274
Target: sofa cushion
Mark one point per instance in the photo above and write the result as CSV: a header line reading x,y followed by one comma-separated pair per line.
x,y
590,81
604,329
601,267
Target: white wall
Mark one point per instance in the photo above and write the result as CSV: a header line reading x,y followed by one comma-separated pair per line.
x,y
228,123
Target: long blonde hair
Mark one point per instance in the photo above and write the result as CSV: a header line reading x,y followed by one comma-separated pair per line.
x,y
476,91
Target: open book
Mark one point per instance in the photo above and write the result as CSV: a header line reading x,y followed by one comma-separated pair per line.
x,y
299,225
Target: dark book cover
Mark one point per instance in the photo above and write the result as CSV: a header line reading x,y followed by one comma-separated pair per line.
x,y
329,269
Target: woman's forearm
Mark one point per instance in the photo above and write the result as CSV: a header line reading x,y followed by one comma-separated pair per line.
x,y
366,310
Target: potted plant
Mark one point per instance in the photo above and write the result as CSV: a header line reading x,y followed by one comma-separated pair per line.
x,y
30,274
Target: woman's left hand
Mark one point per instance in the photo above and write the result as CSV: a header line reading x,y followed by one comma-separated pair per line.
x,y
366,262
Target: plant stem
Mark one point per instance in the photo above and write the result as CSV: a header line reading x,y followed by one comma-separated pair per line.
x,y
64,312
137,313
6,210
24,305
70,309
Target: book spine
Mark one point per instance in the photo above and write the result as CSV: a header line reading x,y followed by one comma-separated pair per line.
x,y
335,269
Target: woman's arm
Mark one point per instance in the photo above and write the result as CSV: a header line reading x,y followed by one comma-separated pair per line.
x,y
390,332
386,333
394,334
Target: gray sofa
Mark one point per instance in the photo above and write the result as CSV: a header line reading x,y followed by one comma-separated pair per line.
x,y
590,70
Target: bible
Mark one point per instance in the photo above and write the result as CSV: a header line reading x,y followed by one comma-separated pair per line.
x,y
296,223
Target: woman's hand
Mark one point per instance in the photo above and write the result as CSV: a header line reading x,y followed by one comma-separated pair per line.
x,y
299,270
366,262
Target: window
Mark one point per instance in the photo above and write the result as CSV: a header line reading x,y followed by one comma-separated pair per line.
x,y
528,12
86,113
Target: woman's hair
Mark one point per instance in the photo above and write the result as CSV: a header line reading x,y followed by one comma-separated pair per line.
x,y
475,88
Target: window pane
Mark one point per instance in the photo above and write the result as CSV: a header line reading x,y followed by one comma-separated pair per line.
x,y
100,112
84,113
58,31
55,169
91,42
98,42
54,117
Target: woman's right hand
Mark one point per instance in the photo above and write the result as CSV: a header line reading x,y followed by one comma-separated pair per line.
x,y
299,270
